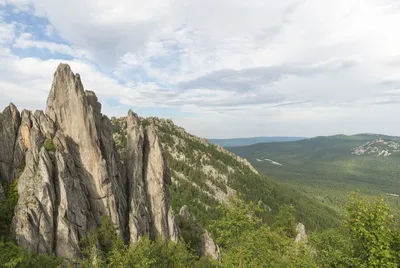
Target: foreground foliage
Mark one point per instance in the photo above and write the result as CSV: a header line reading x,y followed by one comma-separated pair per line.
x,y
13,256
248,242
369,237
103,248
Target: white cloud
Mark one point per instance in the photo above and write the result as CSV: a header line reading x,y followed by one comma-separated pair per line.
x,y
25,41
49,30
6,32
256,67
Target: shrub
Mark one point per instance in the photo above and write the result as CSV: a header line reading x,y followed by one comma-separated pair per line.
x,y
49,145
7,207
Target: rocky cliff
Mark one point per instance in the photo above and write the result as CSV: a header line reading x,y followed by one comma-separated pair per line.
x,y
70,174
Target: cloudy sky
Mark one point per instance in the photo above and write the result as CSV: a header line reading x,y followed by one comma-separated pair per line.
x,y
219,68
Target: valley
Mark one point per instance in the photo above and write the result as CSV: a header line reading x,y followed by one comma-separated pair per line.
x,y
327,168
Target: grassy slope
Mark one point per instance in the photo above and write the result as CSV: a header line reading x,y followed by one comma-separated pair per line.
x,y
325,168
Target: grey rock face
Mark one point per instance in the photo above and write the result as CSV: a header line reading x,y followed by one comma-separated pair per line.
x,y
139,217
52,211
157,180
9,125
33,221
74,217
148,181
72,175
77,115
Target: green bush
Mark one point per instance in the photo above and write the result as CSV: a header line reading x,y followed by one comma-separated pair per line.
x,y
103,248
49,145
256,248
369,237
238,218
13,256
371,228
7,207
285,221
191,233
147,253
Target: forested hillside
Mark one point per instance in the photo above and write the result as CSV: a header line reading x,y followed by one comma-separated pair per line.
x,y
205,175
330,167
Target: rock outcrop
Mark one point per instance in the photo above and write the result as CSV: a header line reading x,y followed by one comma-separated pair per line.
x,y
148,182
71,176
184,213
139,219
77,114
157,179
209,247
11,155
301,234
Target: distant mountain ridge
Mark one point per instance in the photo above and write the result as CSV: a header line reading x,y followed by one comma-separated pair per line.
x,y
252,140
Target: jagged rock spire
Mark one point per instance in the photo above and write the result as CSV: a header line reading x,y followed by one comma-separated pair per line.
x,y
73,176
11,156
78,115
150,211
